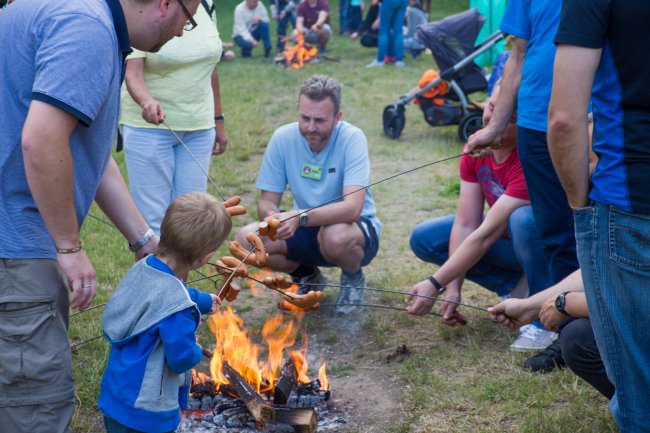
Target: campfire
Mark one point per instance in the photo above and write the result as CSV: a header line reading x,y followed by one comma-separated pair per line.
x,y
295,56
271,391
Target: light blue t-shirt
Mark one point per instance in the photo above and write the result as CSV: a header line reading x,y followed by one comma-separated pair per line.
x,y
67,54
343,162
537,22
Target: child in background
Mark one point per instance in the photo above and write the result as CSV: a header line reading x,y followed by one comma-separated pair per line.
x,y
151,320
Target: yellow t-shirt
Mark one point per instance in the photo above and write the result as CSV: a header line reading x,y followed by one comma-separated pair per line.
x,y
179,77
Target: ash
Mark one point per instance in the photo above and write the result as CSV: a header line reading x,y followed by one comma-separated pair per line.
x,y
224,414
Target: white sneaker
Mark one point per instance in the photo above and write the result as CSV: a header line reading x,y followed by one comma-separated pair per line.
x,y
532,338
399,64
374,64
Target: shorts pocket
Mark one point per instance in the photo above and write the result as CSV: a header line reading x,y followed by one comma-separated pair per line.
x,y
31,345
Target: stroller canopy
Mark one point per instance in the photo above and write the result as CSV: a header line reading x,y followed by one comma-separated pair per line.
x,y
452,39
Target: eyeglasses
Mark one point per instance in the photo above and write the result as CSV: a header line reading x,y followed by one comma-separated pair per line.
x,y
190,24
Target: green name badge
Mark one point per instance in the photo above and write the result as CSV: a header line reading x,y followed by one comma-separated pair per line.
x,y
312,171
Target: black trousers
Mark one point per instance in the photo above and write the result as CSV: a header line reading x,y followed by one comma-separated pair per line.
x,y
581,355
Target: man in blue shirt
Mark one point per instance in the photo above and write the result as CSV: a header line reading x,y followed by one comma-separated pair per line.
x,y
602,57
320,158
526,87
62,64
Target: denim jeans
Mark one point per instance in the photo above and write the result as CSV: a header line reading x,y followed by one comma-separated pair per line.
x,y
160,168
283,23
260,33
391,38
614,254
550,206
501,268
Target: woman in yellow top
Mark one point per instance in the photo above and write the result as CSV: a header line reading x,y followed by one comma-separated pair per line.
x,y
180,86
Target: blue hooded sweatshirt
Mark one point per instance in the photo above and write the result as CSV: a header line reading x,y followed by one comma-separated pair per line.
x,y
150,322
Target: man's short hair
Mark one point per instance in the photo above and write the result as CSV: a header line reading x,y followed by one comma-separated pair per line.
x,y
319,87
194,224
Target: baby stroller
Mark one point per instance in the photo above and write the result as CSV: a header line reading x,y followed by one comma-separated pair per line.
x,y
451,41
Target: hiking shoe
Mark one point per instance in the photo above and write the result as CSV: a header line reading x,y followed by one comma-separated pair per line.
x,y
532,338
547,360
351,293
374,64
310,282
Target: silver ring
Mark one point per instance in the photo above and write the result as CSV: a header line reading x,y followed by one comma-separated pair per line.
x,y
86,286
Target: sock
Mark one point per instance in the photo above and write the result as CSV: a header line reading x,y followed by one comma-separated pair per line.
x,y
303,271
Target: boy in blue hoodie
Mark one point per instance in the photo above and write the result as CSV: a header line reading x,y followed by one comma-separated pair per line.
x,y
151,320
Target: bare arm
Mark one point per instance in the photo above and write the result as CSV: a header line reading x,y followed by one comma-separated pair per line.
x,y
322,17
268,204
49,172
468,218
491,135
137,87
568,136
114,199
300,24
221,139
516,312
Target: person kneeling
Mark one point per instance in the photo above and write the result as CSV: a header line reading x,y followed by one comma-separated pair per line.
x,y
500,251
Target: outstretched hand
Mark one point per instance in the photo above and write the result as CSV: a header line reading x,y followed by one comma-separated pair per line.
x,y
482,142
513,313
421,306
449,310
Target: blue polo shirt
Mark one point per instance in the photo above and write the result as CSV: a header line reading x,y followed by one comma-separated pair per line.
x,y
289,160
536,21
68,54
620,95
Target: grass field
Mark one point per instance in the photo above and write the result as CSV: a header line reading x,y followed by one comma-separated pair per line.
x,y
453,380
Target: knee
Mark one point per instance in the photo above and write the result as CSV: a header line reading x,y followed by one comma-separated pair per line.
x,y
334,241
572,340
425,246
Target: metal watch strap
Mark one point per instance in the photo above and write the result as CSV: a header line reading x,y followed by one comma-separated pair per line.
x,y
439,287
146,237
303,219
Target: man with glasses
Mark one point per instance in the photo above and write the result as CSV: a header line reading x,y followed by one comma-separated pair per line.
x,y
62,66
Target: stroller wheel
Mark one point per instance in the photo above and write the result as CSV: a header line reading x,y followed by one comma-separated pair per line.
x,y
469,124
394,120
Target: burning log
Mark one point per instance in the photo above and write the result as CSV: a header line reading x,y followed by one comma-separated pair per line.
x,y
303,420
260,409
285,384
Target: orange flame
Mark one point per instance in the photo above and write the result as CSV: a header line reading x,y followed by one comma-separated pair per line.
x,y
260,274
322,377
235,347
296,56
301,366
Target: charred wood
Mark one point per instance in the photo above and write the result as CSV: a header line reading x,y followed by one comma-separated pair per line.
x,y
257,406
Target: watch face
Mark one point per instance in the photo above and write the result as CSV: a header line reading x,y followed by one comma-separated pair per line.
x,y
559,303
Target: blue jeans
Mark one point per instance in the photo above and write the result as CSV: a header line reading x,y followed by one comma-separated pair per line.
x,y
550,206
160,168
391,20
283,23
614,254
261,33
343,16
501,268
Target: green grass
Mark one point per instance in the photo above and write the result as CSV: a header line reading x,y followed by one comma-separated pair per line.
x,y
454,380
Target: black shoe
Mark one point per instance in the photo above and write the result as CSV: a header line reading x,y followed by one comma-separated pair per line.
x,y
547,360
267,52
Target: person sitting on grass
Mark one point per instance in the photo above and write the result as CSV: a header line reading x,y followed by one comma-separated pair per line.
x,y
562,308
151,320
499,250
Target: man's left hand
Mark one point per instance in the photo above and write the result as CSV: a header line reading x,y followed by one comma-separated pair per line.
x,y
421,306
550,316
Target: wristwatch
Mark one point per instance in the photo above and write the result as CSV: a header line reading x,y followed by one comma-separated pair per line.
x,y
560,303
303,219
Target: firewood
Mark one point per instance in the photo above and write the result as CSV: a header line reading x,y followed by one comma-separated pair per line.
x,y
303,420
261,410
285,384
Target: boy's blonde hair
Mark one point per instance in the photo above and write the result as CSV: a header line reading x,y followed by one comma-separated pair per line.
x,y
194,224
